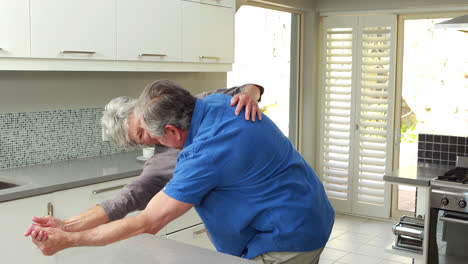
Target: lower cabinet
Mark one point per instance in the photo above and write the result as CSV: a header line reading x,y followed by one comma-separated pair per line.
x,y
195,236
15,217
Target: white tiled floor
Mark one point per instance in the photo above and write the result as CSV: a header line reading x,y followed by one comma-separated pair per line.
x,y
360,240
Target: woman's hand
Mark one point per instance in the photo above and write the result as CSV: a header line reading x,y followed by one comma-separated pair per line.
x,y
251,106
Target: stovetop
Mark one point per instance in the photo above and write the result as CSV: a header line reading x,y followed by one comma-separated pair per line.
x,y
457,175
450,191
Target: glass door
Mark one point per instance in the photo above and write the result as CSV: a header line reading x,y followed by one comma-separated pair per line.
x,y
267,53
433,81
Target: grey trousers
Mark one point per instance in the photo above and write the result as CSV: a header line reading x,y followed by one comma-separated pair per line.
x,y
308,257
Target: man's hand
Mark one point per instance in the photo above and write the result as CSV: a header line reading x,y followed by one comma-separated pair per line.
x,y
57,240
47,221
251,106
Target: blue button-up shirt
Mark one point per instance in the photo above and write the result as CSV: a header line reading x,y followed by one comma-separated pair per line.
x,y
254,192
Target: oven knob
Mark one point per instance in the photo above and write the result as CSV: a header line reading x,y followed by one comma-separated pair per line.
x,y
462,204
444,201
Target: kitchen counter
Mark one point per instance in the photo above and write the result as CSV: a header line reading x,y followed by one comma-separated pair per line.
x,y
146,249
418,174
57,176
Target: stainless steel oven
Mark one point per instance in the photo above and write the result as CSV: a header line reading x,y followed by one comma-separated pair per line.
x,y
448,222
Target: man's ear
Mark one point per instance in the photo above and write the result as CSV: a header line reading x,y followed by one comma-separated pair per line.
x,y
173,132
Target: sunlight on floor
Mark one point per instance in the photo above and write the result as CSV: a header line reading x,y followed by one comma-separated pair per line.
x,y
360,240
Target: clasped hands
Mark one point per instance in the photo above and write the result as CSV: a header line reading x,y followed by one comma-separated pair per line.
x,y
48,234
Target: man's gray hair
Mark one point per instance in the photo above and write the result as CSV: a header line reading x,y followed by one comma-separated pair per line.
x,y
165,103
114,121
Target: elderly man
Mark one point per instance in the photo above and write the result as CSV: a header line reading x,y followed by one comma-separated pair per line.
x,y
122,128
257,196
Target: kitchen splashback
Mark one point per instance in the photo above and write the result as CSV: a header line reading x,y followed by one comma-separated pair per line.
x,y
42,137
440,149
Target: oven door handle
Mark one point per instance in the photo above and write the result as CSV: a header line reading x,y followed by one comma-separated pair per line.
x,y
449,218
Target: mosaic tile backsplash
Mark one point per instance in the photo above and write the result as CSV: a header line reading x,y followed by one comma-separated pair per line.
x,y
440,149
48,136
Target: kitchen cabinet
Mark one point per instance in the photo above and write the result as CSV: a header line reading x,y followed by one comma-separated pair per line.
x,y
226,3
195,236
73,29
15,218
207,33
14,28
148,30
117,35
77,200
189,229
190,218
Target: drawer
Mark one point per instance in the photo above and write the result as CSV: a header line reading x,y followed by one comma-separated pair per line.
x,y
195,236
226,3
190,218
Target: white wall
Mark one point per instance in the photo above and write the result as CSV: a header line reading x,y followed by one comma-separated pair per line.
x,y
365,5
41,91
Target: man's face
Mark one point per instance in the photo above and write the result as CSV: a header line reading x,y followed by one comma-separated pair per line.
x,y
137,133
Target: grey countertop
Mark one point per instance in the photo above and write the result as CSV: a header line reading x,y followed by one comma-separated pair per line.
x,y
56,176
147,249
418,174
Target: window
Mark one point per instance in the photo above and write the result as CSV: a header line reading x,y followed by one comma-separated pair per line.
x,y
266,53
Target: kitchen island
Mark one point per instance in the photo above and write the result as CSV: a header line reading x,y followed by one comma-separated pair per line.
x,y
420,176
147,249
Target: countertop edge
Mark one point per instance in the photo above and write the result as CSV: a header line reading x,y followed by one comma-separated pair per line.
x,y
402,180
65,186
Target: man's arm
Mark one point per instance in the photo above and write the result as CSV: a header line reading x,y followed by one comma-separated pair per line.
x,y
161,210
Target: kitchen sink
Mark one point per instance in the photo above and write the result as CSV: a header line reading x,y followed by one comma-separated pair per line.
x,y
6,185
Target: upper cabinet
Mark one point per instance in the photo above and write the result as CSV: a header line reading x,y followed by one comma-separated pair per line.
x,y
207,32
14,28
117,35
73,29
148,30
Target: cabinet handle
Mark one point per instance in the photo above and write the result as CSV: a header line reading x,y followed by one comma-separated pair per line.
x,y
201,231
77,52
108,189
209,57
152,54
50,209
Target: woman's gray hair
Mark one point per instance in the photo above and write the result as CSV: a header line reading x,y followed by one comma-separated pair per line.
x,y
165,103
114,121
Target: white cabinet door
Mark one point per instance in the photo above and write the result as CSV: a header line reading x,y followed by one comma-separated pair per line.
x,y
14,28
73,29
75,201
228,3
15,218
196,236
207,33
148,30
190,218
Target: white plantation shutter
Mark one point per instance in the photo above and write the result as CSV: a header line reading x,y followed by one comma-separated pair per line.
x,y
358,58
336,117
